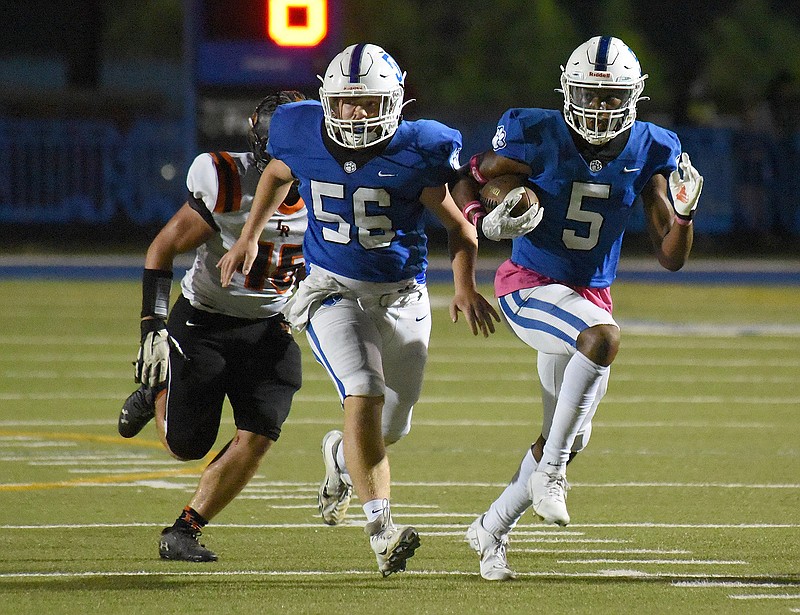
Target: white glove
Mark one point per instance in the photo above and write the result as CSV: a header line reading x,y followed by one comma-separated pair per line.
x,y
152,361
497,224
685,185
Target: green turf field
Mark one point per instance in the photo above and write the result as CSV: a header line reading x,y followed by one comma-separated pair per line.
x,y
686,501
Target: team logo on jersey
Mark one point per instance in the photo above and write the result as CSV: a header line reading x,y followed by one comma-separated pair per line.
x,y
350,167
499,140
595,166
454,158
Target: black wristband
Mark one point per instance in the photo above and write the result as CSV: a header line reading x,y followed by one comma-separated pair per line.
x,y
150,325
156,285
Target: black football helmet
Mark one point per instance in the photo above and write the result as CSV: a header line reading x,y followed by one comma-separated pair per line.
x,y
258,135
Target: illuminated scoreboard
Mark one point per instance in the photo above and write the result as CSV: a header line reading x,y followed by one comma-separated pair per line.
x,y
264,42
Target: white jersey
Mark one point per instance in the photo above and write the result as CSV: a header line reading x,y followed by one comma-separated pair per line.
x,y
221,188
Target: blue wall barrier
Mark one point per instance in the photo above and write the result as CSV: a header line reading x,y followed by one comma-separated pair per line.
x,y
91,172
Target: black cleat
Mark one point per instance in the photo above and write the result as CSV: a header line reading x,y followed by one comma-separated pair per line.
x,y
137,411
183,545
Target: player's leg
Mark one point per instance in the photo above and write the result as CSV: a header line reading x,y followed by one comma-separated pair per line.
x,y
187,417
406,331
221,481
554,319
189,414
346,341
578,395
508,508
338,336
488,534
262,373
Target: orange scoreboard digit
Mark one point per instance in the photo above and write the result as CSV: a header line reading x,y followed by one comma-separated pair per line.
x,y
264,42
291,23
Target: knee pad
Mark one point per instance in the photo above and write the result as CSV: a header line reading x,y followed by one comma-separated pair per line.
x,y
395,425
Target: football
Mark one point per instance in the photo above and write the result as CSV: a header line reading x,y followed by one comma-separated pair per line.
x,y
493,193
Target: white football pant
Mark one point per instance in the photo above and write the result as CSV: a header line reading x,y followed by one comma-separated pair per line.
x,y
374,350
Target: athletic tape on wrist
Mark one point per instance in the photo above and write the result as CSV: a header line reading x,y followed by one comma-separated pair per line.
x,y
473,210
474,163
156,284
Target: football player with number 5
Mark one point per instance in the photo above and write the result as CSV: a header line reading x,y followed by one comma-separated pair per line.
x,y
588,164
218,341
367,177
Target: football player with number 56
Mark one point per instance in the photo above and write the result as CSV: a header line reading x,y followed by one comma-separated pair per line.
x,y
367,177
587,164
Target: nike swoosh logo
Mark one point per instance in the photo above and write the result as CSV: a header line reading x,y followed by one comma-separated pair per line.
x,y
189,323
418,318
627,170
382,174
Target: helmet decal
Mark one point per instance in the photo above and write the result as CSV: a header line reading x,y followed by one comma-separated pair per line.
x,y
355,63
601,60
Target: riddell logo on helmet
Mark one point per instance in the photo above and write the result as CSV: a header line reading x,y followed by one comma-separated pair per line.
x,y
594,73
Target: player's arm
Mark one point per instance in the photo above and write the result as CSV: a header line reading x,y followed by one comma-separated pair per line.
x,y
496,225
463,247
669,221
273,186
185,231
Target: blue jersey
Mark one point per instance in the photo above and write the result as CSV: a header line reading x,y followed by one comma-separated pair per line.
x,y
364,219
587,204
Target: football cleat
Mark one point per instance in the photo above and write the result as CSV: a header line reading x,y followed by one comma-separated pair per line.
x,y
492,551
392,545
177,544
335,491
548,494
137,411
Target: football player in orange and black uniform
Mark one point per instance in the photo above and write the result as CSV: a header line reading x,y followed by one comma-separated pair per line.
x,y
218,341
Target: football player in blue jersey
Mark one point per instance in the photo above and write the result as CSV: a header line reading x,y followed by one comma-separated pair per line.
x,y
367,177
588,164
218,341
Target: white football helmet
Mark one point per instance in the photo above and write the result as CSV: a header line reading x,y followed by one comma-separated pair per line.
x,y
601,83
362,70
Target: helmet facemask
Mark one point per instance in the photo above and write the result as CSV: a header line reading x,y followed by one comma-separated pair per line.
x,y
362,71
601,84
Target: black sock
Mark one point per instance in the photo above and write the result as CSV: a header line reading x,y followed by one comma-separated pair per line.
x,y
190,520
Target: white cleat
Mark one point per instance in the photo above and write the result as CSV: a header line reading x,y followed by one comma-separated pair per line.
x,y
549,497
392,546
492,550
335,492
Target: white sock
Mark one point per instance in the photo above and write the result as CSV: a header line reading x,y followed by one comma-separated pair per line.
x,y
374,509
339,455
582,379
507,509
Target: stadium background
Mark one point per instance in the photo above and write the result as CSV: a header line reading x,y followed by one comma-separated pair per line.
x,y
105,103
